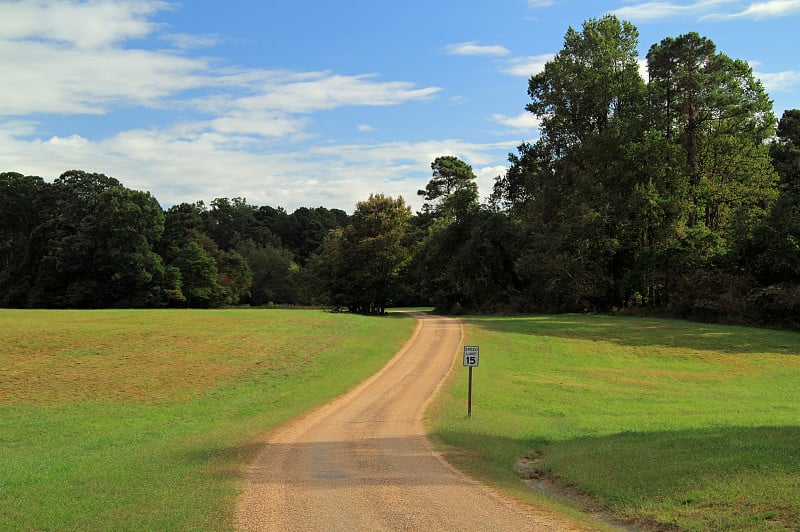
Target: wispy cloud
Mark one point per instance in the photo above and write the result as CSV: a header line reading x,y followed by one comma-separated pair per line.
x,y
779,81
658,10
764,10
40,77
325,91
524,122
540,3
473,48
258,124
527,66
95,24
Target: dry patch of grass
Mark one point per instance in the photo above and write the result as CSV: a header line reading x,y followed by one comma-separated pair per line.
x,y
61,357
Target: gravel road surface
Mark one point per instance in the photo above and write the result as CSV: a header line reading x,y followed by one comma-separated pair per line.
x,y
362,462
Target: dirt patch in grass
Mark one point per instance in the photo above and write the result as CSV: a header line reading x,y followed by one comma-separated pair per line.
x,y
48,378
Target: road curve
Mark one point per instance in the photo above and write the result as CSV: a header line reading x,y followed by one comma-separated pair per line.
x,y
362,462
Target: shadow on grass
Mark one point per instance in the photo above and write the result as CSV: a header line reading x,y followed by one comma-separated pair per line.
x,y
726,477
647,332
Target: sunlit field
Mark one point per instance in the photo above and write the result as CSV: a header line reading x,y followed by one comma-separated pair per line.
x,y
660,422
142,420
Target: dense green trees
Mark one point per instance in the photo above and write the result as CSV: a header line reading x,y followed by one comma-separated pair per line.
x,y
464,259
590,99
88,242
25,217
639,192
772,252
262,247
372,255
675,193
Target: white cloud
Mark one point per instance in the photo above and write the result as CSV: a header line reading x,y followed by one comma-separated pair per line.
x,y
525,121
18,128
45,78
779,81
258,124
660,10
540,3
73,142
527,66
644,71
414,153
472,48
485,177
328,91
95,24
365,128
768,9
192,161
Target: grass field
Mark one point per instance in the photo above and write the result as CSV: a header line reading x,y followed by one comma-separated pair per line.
x,y
665,423
141,420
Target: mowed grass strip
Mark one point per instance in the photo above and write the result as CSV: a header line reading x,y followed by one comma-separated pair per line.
x,y
664,423
143,420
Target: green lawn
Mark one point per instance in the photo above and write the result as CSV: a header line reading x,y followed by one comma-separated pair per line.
x,y
142,420
662,422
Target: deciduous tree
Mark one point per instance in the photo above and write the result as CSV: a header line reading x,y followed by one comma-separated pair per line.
x,y
374,253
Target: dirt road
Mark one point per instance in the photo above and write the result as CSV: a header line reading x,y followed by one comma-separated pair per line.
x,y
363,462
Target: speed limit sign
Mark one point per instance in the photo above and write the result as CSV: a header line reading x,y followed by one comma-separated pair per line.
x,y
471,354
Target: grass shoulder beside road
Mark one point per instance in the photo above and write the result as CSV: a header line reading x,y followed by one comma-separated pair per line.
x,y
660,422
141,420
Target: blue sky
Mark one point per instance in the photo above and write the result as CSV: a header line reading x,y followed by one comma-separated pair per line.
x,y
314,103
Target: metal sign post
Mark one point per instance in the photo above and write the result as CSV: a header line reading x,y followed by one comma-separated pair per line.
x,y
469,394
471,356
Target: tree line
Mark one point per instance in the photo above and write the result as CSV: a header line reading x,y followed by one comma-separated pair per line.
x,y
678,194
